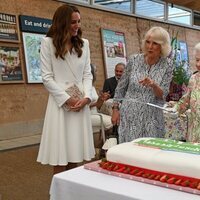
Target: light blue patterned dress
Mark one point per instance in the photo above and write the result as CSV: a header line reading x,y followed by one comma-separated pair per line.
x,y
136,118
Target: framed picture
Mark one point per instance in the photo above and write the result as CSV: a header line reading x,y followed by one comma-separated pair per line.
x,y
31,42
183,51
10,64
114,50
9,28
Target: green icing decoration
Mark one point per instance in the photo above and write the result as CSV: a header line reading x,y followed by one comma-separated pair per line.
x,y
171,145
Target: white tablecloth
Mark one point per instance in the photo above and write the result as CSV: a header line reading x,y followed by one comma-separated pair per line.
x,y
83,184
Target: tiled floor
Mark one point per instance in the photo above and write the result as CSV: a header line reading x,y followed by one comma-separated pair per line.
x,y
10,144
19,142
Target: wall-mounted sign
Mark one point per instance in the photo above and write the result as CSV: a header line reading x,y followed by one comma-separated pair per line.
x,y
32,43
184,51
114,50
34,24
10,64
8,28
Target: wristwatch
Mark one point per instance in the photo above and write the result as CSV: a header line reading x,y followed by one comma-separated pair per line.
x,y
115,107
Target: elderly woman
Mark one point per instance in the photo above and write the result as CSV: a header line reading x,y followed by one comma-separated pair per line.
x,y
191,102
146,80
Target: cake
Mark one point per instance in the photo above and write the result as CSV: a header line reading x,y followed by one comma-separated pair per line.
x,y
163,160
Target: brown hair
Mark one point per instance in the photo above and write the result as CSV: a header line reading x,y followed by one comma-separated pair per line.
x,y
59,31
93,71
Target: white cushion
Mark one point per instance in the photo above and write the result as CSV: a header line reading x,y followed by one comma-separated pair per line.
x,y
96,121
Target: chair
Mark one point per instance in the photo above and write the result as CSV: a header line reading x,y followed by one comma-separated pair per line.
x,y
101,123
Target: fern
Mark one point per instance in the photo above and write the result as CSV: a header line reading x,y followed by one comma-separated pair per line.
x,y
180,74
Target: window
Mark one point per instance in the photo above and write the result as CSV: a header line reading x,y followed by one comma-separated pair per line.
x,y
83,1
123,5
150,8
179,15
196,19
157,9
76,1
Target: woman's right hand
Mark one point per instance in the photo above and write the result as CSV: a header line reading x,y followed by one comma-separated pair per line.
x,y
182,108
115,117
71,102
104,96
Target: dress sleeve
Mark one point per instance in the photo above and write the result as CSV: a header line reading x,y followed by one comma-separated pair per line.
x,y
167,78
87,75
94,95
53,88
184,102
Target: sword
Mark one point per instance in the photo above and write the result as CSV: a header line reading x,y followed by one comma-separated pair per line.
x,y
171,110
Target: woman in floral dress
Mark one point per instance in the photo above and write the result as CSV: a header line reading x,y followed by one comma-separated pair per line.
x,y
146,80
191,102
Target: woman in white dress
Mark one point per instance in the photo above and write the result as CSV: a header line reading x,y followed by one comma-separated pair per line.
x,y
67,137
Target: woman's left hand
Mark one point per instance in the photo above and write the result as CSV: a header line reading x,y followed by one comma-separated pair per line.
x,y
80,104
147,82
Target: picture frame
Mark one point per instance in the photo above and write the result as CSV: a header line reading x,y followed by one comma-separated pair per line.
x,y
11,70
114,50
183,51
9,29
31,43
184,57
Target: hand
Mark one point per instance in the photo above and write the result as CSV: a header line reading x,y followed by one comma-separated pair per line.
x,y
147,82
171,104
105,96
115,117
182,108
80,104
71,102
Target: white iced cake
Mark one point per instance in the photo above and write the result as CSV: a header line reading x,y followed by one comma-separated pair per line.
x,y
162,155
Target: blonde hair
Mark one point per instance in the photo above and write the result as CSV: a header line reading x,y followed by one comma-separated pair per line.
x,y
197,48
160,36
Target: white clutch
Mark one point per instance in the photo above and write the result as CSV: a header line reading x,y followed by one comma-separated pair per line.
x,y
74,91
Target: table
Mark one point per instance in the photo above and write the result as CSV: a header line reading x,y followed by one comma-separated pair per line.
x,y
83,184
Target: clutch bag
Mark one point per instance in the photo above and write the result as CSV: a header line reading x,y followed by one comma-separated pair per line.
x,y
73,91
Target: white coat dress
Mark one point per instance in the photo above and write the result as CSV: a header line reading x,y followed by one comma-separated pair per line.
x,y
67,136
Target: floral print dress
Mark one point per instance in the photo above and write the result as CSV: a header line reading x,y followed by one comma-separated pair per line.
x,y
191,102
137,119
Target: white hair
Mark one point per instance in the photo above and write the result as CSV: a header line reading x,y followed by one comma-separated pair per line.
x,y
160,36
197,48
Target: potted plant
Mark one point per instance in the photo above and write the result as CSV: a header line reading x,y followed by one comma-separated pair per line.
x,y
181,74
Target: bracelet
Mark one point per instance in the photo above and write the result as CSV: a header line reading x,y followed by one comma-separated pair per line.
x,y
115,107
